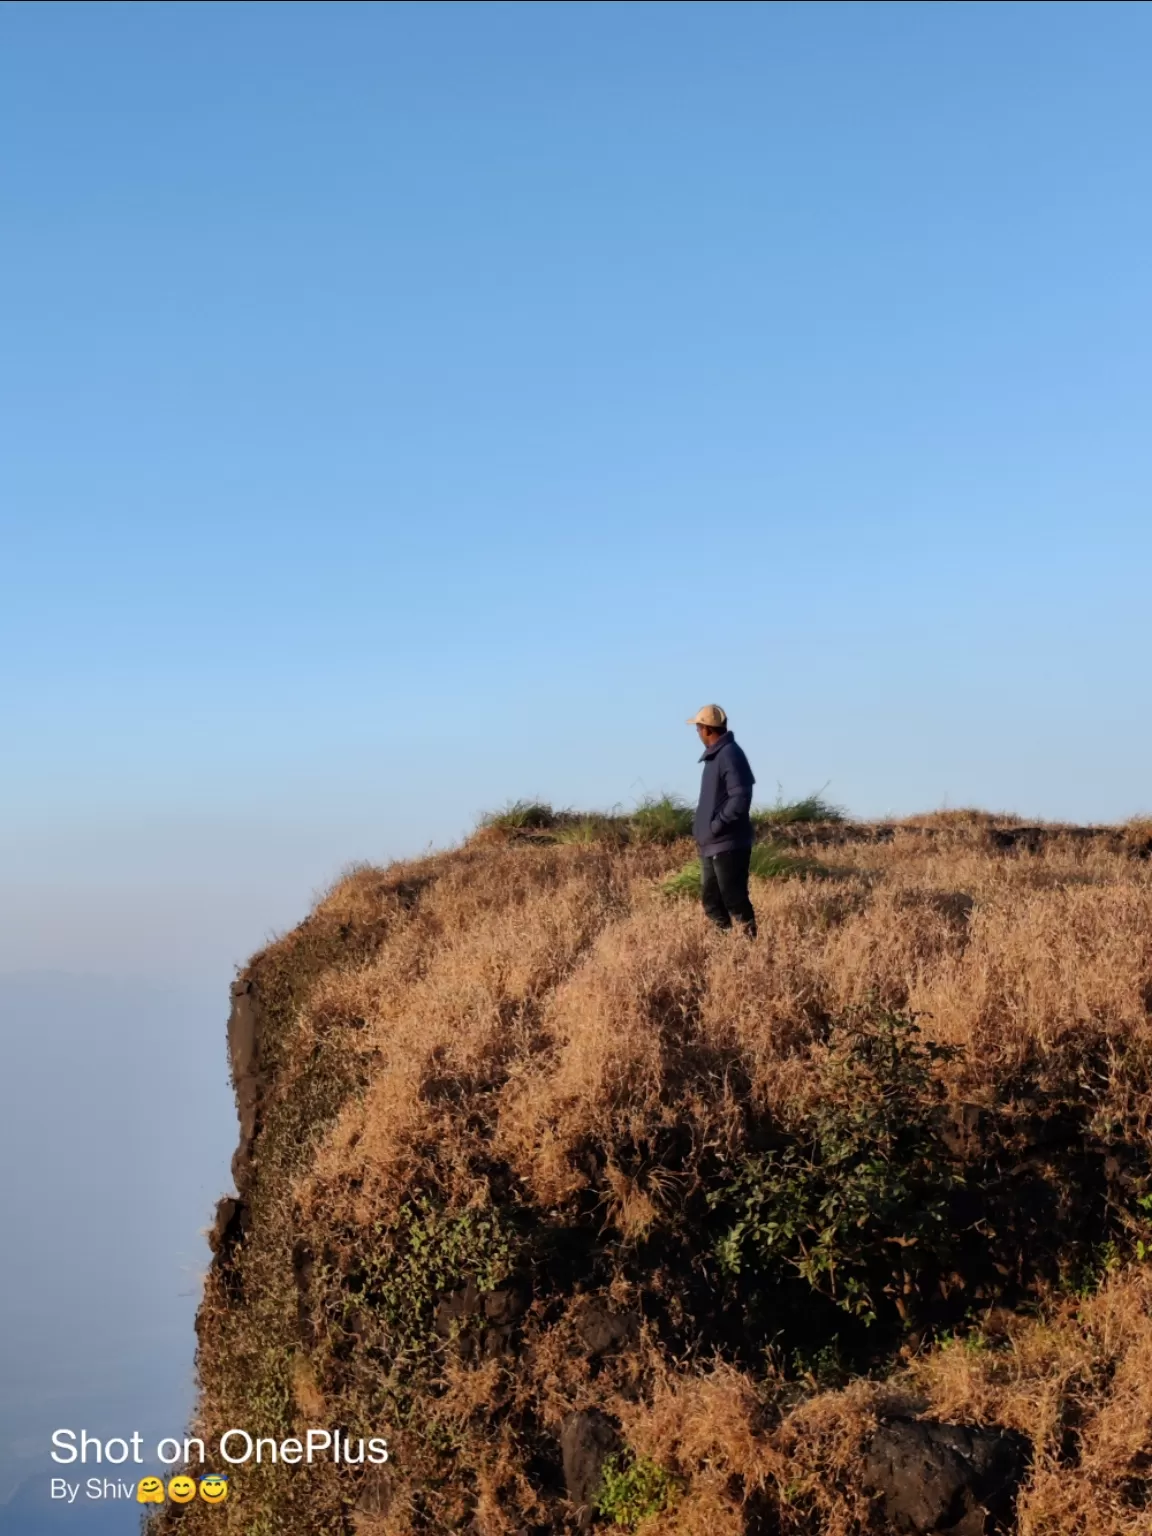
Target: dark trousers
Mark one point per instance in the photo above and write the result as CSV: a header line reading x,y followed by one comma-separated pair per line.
x,y
724,889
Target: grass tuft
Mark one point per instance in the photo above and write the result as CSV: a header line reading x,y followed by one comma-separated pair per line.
x,y
520,816
768,862
786,813
593,829
660,819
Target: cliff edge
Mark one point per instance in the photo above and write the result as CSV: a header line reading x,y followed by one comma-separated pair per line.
x,y
596,1217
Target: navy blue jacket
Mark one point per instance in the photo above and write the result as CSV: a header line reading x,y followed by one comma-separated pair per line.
x,y
722,820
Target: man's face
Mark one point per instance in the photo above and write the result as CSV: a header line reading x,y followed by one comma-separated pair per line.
x,y
707,735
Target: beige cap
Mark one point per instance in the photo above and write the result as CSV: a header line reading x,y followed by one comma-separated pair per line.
x,y
712,716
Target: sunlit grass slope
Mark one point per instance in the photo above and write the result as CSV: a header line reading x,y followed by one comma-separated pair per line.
x,y
533,1147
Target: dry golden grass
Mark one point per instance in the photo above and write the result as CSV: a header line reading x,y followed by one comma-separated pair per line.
x,y
529,1028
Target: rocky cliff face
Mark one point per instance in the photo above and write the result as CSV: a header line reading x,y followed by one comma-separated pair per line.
x,y
597,1217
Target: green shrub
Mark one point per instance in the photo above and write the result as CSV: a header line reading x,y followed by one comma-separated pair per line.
x,y
634,1491
1083,1273
685,882
855,1198
821,1365
427,1252
768,863
660,819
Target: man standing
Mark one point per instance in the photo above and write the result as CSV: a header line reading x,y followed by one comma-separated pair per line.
x,y
723,827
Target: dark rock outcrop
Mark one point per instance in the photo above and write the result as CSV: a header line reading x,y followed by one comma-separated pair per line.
x,y
938,1479
601,1330
587,1438
508,1303
244,1057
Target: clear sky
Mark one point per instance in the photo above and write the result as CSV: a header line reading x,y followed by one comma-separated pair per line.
x,y
407,408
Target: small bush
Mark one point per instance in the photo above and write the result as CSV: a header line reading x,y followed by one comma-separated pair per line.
x,y
855,1200
660,819
632,1492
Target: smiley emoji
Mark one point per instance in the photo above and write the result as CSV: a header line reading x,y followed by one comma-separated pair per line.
x,y
149,1490
182,1488
213,1487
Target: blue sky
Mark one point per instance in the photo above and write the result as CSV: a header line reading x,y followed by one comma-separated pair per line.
x,y
407,408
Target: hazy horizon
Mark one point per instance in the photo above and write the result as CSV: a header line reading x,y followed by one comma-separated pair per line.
x,y
116,1127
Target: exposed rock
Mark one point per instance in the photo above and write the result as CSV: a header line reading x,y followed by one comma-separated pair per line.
x,y
601,1329
1027,838
508,1302
498,1342
944,1479
244,1055
228,1226
587,1438
1035,839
